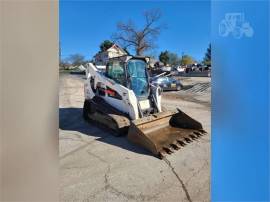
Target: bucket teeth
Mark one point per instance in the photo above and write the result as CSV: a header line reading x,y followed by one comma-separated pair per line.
x,y
177,144
167,150
174,146
188,140
197,134
193,137
181,143
162,154
203,131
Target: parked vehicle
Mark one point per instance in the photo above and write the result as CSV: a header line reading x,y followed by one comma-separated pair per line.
x,y
166,69
180,69
167,83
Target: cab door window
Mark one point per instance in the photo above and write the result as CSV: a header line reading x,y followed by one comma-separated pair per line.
x,y
116,72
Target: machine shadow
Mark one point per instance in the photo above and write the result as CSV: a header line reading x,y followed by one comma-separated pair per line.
x,y
72,119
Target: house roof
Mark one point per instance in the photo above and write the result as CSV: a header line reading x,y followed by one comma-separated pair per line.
x,y
114,46
117,47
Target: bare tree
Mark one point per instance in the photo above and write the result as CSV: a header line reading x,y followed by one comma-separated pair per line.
x,y
141,39
76,59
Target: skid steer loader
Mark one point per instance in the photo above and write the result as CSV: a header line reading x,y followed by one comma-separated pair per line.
x,y
123,100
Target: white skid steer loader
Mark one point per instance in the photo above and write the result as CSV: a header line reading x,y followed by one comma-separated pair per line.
x,y
123,100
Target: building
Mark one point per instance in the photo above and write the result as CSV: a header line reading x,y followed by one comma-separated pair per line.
x,y
101,58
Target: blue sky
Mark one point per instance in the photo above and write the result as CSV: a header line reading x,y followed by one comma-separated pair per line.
x,y
85,24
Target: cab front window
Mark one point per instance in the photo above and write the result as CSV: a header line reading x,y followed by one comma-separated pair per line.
x,y
138,77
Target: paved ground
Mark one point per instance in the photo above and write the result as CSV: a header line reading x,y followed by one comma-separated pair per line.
x,y
96,166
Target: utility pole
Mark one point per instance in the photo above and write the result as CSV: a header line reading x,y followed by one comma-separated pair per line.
x,y
182,58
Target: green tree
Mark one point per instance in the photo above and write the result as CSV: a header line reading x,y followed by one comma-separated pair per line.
x,y
164,57
207,57
186,60
105,45
173,59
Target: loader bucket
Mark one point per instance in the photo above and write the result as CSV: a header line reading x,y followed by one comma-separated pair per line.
x,y
164,132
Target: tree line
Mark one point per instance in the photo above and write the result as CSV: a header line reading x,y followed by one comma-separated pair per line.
x,y
170,58
166,57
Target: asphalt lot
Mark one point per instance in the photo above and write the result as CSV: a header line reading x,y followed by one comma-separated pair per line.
x,y
95,166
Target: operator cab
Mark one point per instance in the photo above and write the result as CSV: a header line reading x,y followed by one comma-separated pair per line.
x,y
130,72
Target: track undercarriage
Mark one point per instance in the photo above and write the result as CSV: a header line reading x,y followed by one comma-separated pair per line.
x,y
160,133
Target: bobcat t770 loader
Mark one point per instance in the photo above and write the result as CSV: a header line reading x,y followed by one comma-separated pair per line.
x,y
123,100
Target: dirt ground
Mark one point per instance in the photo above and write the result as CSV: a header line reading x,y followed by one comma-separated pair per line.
x,y
95,166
